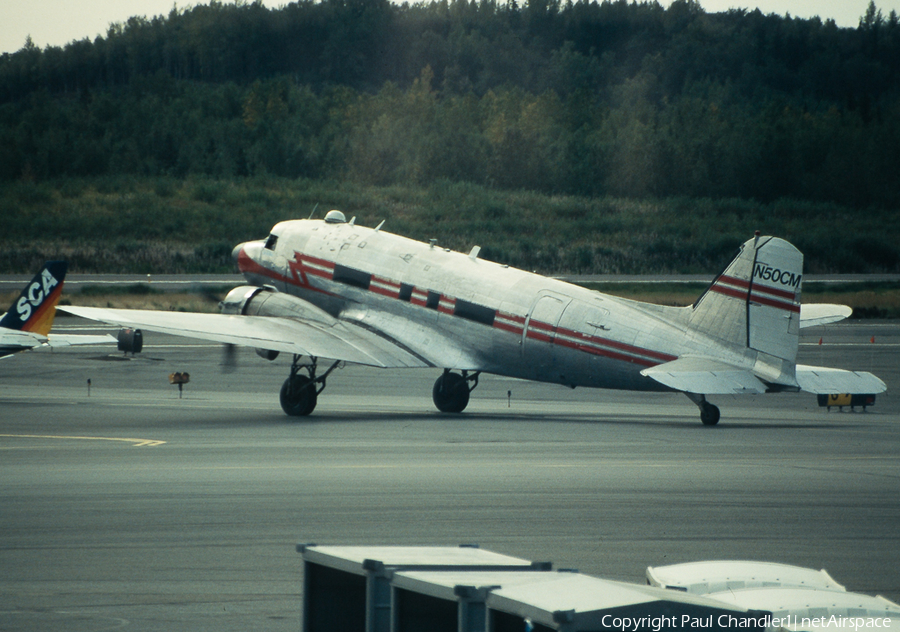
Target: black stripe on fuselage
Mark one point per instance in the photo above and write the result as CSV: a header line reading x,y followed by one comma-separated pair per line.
x,y
487,316
351,276
474,312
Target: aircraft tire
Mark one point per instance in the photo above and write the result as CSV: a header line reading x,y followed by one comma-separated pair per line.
x,y
450,393
709,414
298,396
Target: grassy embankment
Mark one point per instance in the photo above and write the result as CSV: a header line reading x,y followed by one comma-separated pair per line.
x,y
166,225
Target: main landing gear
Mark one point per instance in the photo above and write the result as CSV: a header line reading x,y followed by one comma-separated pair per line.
x,y
299,393
709,414
451,390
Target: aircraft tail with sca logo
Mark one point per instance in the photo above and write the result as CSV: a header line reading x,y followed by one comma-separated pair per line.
x,y
28,322
35,308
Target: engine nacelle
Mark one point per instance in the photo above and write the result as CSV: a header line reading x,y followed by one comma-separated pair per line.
x,y
267,354
250,300
238,300
130,340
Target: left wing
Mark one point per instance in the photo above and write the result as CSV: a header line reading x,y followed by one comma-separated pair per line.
x,y
705,375
323,337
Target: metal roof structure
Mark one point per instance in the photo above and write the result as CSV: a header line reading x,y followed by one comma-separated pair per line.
x,y
701,578
804,609
347,588
580,603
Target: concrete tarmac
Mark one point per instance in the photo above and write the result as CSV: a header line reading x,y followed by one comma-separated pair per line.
x,y
127,508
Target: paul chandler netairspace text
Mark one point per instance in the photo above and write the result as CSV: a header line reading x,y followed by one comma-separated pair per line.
x,y
730,621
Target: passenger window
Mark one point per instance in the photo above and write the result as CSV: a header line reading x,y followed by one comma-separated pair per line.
x,y
270,242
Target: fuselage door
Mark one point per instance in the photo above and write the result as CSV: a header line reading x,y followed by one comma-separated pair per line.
x,y
540,329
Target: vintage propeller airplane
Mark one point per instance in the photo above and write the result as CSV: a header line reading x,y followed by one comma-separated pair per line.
x,y
332,289
27,323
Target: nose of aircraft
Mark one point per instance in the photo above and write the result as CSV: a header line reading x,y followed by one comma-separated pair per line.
x,y
246,254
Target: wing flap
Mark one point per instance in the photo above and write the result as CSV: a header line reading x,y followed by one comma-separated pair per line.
x,y
812,314
704,375
336,340
826,381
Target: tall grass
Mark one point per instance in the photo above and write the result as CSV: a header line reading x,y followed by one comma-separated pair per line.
x,y
170,225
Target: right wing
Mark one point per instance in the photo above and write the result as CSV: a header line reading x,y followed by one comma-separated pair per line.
x,y
824,381
334,339
714,377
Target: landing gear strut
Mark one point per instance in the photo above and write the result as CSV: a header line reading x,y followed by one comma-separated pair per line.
x,y
709,414
451,391
299,393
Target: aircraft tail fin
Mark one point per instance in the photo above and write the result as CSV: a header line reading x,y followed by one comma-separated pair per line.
x,y
35,308
755,302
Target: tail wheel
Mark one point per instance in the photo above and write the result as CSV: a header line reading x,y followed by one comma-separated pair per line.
x,y
450,393
709,414
298,396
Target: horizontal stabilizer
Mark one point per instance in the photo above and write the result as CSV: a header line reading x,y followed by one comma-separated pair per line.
x,y
825,381
68,340
706,376
812,314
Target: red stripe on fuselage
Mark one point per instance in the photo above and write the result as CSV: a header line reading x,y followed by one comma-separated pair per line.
x,y
605,352
509,322
536,335
249,266
385,287
515,329
446,304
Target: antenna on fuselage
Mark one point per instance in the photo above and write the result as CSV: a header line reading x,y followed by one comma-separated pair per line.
x,y
313,211
377,228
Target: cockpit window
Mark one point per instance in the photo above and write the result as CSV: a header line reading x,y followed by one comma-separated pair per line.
x,y
271,241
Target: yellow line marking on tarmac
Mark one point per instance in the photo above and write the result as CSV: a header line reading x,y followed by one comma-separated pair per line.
x,y
137,443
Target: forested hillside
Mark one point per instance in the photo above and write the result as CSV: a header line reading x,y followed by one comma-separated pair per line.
x,y
613,99
621,98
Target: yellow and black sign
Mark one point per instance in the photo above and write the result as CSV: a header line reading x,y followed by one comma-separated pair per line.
x,y
846,399
179,378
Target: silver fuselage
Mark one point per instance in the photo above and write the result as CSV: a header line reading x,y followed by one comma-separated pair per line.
x,y
473,314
